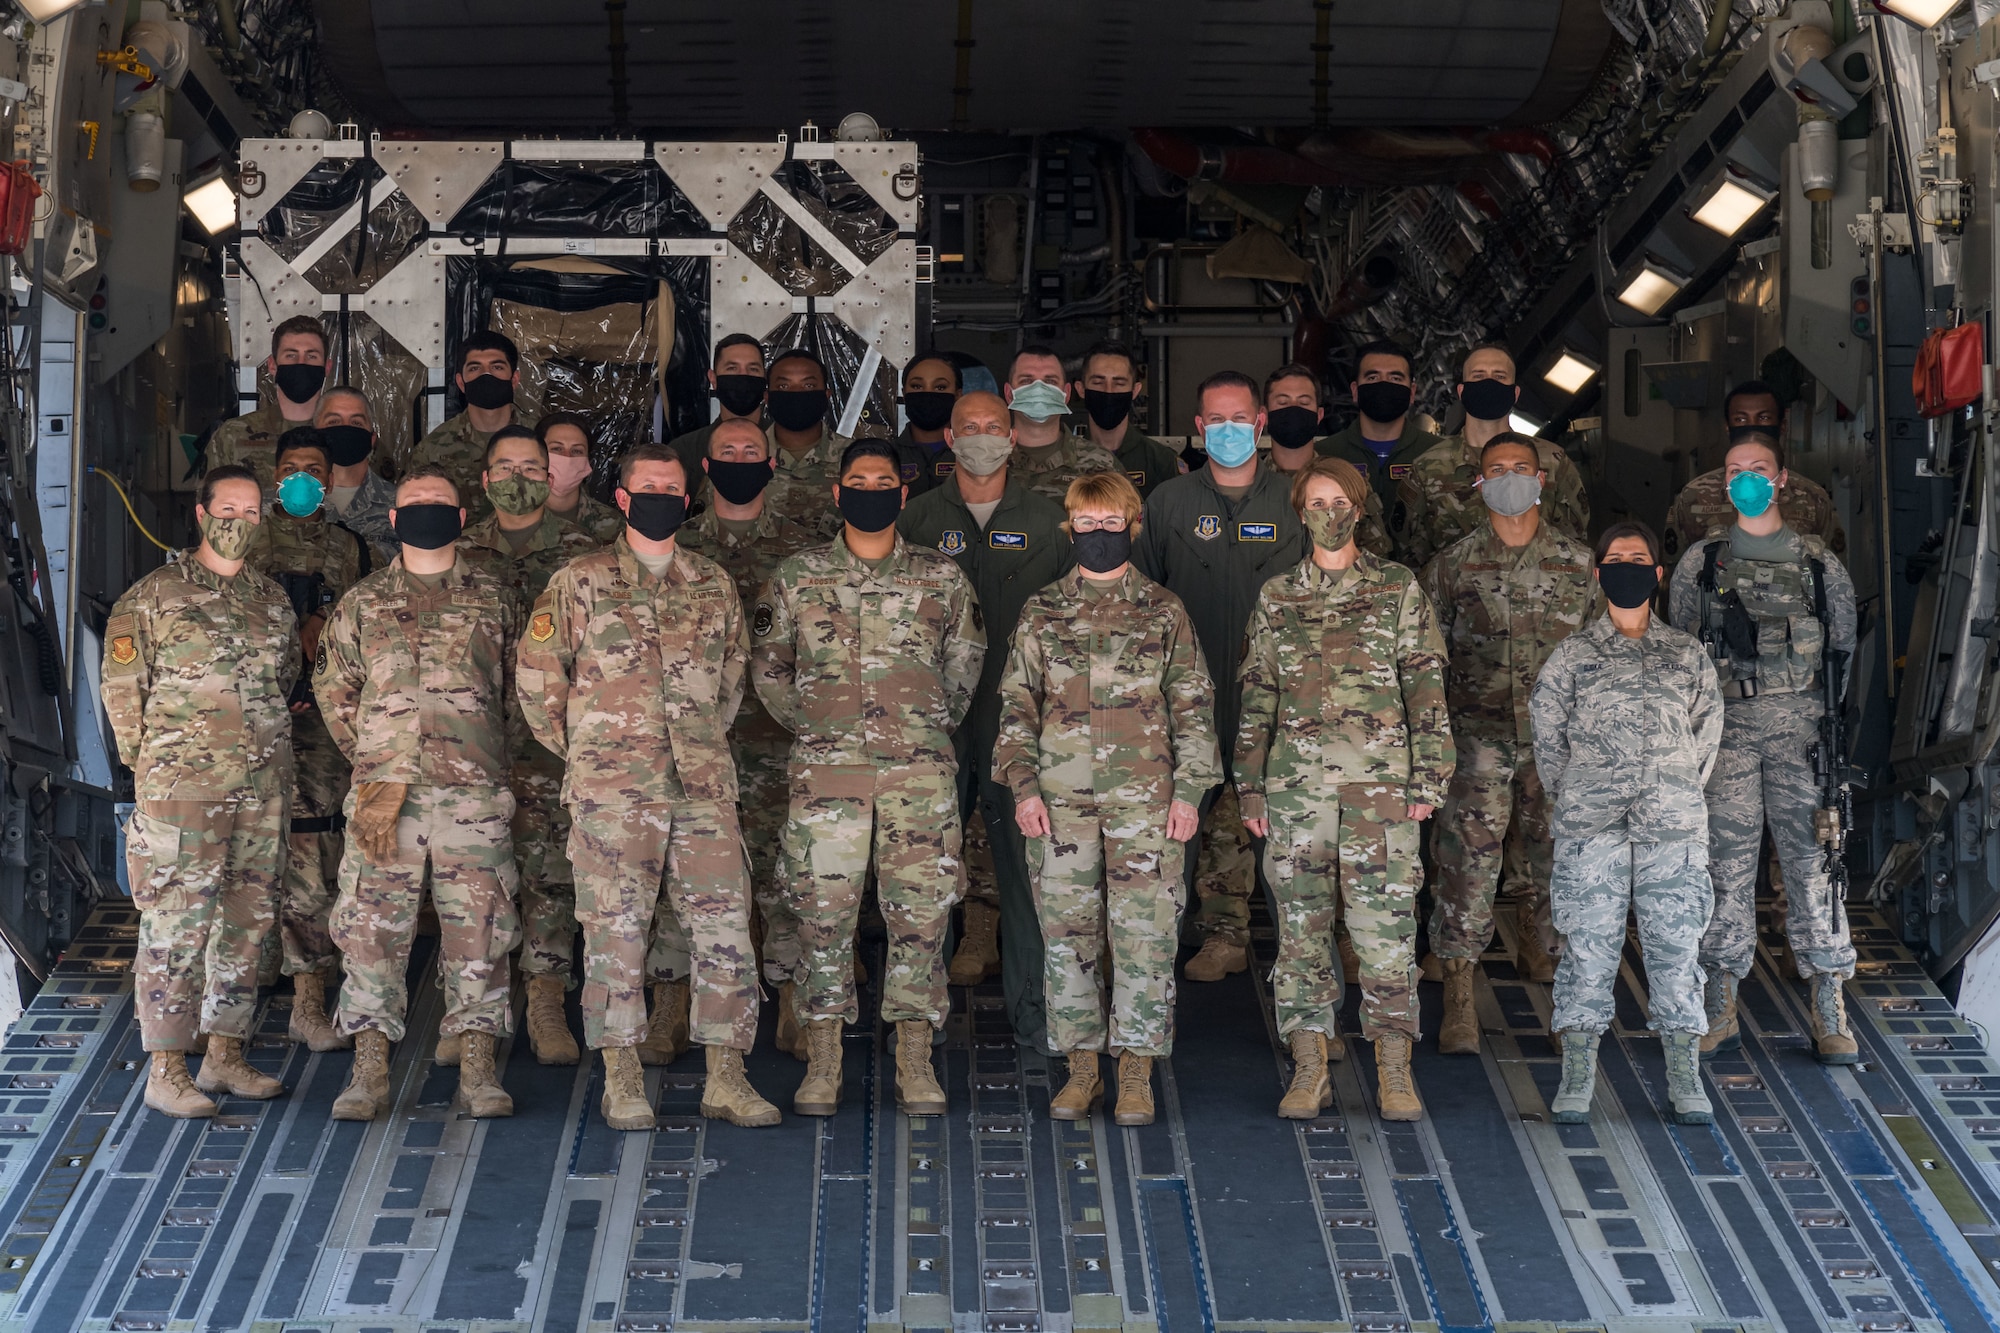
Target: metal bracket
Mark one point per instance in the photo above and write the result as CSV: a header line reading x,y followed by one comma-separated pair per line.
x,y
742,297
870,307
272,292
719,178
409,303
280,164
877,168
439,177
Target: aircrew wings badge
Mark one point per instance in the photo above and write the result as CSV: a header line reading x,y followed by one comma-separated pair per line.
x,y
543,627
123,651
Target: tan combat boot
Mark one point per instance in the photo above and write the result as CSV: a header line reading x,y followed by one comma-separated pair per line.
x,y
790,1037
548,1026
624,1104
1395,1091
1218,958
1719,1000
978,953
224,1069
479,1092
170,1091
1135,1090
1312,1088
1430,968
1532,959
1833,1042
367,1093
666,1038
448,1050
917,1090
1350,961
1458,1033
727,1095
819,1093
310,1024
1080,1096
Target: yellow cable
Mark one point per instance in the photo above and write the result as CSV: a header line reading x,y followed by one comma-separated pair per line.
x,y
128,507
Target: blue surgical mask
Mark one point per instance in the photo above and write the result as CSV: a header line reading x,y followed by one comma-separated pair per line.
x,y
1751,493
301,494
1039,401
1229,443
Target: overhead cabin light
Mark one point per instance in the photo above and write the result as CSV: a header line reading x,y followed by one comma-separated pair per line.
x,y
213,204
1522,423
1731,203
1651,287
1923,13
1571,372
41,11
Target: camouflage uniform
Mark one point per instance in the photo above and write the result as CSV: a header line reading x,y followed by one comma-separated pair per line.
x,y
251,441
870,670
633,680
1049,470
1440,503
1502,610
1385,475
1702,508
761,748
801,487
368,514
416,684
602,521
197,668
1371,534
1765,769
1626,732
315,561
1105,715
459,447
541,824
1344,725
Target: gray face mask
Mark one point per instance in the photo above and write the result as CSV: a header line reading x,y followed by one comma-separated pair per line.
x,y
981,455
1512,494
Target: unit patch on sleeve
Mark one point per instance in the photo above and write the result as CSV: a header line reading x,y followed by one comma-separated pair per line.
x,y
760,624
543,627
124,651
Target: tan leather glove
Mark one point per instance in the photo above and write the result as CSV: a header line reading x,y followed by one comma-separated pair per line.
x,y
377,807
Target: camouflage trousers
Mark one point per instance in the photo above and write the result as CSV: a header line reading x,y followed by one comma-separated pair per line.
x,y
1665,884
1764,774
1225,871
1350,844
205,880
461,835
1109,870
906,819
621,855
548,885
313,847
1494,827
763,770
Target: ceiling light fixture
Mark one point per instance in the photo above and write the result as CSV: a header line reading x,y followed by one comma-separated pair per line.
x,y
213,204
1571,372
41,11
1923,13
1730,204
1650,287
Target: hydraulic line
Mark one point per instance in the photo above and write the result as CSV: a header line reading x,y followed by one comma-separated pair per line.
x,y
93,470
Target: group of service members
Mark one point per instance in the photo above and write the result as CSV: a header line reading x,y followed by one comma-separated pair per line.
x,y
1052,672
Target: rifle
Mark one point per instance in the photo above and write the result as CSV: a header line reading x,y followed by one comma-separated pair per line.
x,y
1736,642
1834,819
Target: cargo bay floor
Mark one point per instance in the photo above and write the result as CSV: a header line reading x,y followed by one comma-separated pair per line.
x,y
1861,1198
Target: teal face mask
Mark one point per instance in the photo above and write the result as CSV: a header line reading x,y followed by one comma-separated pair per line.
x,y
1751,493
1039,401
1229,443
301,494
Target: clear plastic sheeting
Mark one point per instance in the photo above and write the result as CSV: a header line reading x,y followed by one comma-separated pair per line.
x,y
843,353
365,357
392,230
566,199
781,247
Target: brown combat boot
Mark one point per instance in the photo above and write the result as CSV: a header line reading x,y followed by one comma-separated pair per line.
x,y
1430,968
1350,962
1312,1088
1135,1090
789,1037
448,1050
917,1090
224,1069
479,1092
1218,958
367,1093
1458,1034
727,1095
1395,1091
1719,1001
978,954
624,1105
548,1026
1532,959
819,1093
667,1037
310,1023
1833,1042
170,1091
1080,1096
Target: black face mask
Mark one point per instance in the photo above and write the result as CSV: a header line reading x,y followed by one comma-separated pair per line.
x,y
1107,409
871,511
1487,400
1628,586
739,394
428,527
1382,400
347,445
798,409
299,382
655,516
1293,426
928,410
738,483
488,392
1100,552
